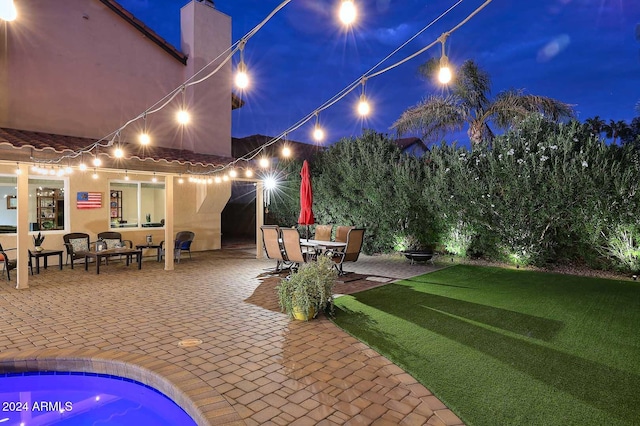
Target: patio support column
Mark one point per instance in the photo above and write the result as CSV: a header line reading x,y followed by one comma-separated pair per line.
x,y
259,218
168,223
22,243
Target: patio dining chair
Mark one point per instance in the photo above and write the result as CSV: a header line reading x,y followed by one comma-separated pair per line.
x,y
323,232
351,252
293,251
342,232
271,238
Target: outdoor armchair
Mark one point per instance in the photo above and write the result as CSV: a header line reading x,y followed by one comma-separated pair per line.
x,y
9,264
77,245
323,232
181,243
271,240
351,252
114,239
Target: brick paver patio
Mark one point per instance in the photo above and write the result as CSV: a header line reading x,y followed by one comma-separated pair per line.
x,y
254,365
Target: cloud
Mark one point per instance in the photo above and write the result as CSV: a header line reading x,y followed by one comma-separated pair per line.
x,y
389,36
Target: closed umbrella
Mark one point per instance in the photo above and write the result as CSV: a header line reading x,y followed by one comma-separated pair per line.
x,y
306,198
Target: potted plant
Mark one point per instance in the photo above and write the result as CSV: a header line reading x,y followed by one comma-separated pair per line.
x,y
38,240
309,290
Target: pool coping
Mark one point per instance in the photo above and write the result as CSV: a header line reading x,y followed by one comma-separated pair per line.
x,y
203,403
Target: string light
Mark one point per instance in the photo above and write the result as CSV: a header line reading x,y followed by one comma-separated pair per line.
x,y
144,137
180,179
286,152
248,173
347,5
126,175
8,11
95,174
264,162
82,167
347,12
444,74
154,178
96,161
183,116
233,173
18,171
318,133
242,78
118,152
363,106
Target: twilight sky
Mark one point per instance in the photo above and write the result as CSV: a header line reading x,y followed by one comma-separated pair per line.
x,y
583,52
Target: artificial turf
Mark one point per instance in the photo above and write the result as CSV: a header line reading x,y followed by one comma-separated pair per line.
x,y
510,347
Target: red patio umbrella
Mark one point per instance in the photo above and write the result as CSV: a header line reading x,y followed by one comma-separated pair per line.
x,y
306,198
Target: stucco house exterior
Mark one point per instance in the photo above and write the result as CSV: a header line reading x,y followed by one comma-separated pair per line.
x,y
71,73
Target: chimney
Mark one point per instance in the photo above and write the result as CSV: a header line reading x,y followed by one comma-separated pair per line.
x,y
209,3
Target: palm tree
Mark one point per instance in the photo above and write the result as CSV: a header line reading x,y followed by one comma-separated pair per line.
x,y
596,125
469,104
617,129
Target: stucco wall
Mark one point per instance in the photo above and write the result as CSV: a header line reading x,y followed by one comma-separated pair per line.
x,y
189,212
76,68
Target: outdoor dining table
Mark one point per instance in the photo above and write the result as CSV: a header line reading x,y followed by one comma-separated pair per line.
x,y
99,255
322,245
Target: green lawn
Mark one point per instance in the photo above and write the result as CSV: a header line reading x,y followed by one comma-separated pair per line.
x,y
510,347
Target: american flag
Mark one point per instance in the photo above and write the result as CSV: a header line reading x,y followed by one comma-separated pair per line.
x,y
89,200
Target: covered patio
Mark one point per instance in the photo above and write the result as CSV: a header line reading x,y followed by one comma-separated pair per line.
x,y
253,366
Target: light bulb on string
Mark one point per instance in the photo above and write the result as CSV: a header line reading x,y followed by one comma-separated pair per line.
x,y
318,133
118,152
348,12
8,11
154,178
248,173
180,179
82,167
35,168
144,138
444,73
242,78
95,174
126,175
183,116
363,106
96,161
286,152
18,171
264,162
233,173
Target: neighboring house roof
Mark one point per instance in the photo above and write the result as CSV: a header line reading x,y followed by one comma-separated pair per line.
x,y
50,146
410,143
236,101
241,147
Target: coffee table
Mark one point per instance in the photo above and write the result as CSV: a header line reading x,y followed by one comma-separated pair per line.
x,y
158,247
105,254
45,254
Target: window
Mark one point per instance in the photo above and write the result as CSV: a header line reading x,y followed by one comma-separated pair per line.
x,y
47,204
8,215
136,204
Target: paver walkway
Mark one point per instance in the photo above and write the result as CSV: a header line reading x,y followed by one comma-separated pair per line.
x,y
270,370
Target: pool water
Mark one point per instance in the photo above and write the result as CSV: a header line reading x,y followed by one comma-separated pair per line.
x,y
83,399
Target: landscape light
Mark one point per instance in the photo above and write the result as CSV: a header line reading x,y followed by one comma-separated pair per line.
x,y
348,12
8,11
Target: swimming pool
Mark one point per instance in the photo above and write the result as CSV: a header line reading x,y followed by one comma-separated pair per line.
x,y
80,399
